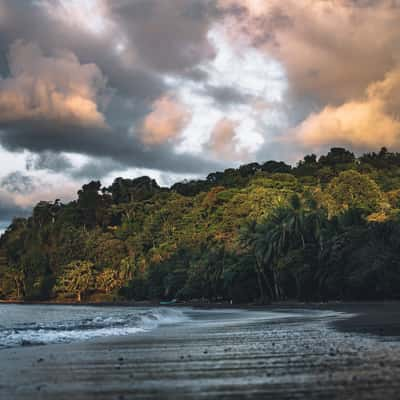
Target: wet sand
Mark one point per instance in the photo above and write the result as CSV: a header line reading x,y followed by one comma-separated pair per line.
x,y
313,354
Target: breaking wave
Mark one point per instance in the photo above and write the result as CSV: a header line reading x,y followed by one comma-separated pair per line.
x,y
86,325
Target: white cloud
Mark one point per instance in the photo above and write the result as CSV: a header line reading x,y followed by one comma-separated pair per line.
x,y
258,79
89,15
244,68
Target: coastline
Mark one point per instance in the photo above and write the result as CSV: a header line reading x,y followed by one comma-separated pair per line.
x,y
307,355
380,318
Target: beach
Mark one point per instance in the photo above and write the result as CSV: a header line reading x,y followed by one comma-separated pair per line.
x,y
281,352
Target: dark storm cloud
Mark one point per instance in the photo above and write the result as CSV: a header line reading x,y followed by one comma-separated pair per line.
x,y
39,136
169,36
59,163
48,161
97,169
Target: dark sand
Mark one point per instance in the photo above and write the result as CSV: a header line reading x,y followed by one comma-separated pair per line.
x,y
312,355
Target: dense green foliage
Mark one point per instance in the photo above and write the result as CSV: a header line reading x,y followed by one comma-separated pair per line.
x,y
328,228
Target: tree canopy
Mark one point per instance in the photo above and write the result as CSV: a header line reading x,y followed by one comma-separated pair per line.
x,y
325,229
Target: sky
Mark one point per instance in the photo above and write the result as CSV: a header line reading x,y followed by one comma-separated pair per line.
x,y
96,89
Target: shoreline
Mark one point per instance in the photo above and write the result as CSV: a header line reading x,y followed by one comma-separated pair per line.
x,y
376,318
299,356
214,304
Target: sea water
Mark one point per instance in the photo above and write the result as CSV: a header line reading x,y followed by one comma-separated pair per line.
x,y
22,325
29,325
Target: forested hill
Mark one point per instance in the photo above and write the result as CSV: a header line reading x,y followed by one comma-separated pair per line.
x,y
328,228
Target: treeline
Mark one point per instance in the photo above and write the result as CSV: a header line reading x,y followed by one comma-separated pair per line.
x,y
327,229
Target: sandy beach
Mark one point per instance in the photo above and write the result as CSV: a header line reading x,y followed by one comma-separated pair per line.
x,y
301,353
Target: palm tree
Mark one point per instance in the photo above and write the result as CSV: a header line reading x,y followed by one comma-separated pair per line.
x,y
287,228
252,237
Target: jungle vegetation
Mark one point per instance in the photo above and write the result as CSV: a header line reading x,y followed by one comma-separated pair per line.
x,y
326,229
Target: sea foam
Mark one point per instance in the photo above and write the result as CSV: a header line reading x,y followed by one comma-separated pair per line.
x,y
84,326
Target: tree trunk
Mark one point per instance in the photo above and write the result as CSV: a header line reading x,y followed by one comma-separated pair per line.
x,y
79,297
260,286
268,284
276,284
260,277
17,286
298,286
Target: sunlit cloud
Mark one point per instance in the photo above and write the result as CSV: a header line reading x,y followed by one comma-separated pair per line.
x,y
364,124
326,46
223,141
165,122
56,88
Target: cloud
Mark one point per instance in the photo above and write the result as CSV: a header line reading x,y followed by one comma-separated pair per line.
x,y
87,15
223,142
227,95
336,95
254,7
56,88
20,192
49,104
163,35
84,168
361,125
3,14
16,182
64,189
135,83
54,162
121,147
97,169
9,209
366,124
239,79
326,46
165,122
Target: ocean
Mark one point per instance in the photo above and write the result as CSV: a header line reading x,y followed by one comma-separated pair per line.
x,y
29,325
23,325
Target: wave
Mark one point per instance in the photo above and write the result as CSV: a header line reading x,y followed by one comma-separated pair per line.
x,y
96,326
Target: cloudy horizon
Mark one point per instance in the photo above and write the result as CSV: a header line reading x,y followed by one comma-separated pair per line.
x,y
96,89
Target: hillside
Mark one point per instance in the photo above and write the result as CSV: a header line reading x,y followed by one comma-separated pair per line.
x,y
328,228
